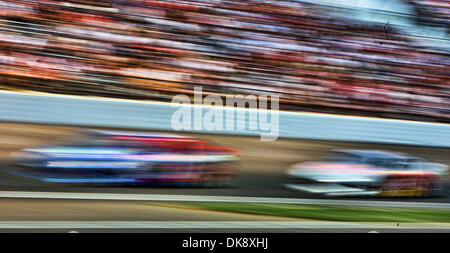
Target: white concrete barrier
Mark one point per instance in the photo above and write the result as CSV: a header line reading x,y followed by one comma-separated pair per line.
x,y
102,112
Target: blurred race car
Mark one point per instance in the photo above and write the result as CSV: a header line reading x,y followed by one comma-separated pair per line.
x,y
114,157
367,172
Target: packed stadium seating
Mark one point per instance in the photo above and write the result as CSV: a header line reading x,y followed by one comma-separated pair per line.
x,y
298,50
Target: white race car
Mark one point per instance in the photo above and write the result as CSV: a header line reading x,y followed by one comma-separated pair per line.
x,y
368,172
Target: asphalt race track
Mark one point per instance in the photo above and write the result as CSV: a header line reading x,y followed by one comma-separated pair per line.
x,y
262,163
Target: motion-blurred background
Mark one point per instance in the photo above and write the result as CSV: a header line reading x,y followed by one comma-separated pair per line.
x,y
376,58
362,57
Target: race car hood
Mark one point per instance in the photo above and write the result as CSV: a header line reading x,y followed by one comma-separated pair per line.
x,y
67,152
440,169
332,172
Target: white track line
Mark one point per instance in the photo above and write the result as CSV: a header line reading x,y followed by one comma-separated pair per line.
x,y
196,198
205,225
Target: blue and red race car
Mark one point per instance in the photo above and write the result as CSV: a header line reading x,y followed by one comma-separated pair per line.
x,y
115,157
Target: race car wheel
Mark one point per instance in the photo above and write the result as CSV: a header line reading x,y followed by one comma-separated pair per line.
x,y
436,189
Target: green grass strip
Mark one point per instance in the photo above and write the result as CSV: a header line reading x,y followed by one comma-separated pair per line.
x,y
330,213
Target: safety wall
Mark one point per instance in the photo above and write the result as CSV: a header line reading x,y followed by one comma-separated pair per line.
x,y
121,113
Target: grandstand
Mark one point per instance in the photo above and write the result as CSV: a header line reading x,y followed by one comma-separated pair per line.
x,y
305,52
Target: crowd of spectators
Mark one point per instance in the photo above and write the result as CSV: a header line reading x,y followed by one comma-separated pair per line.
x,y
298,50
435,11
